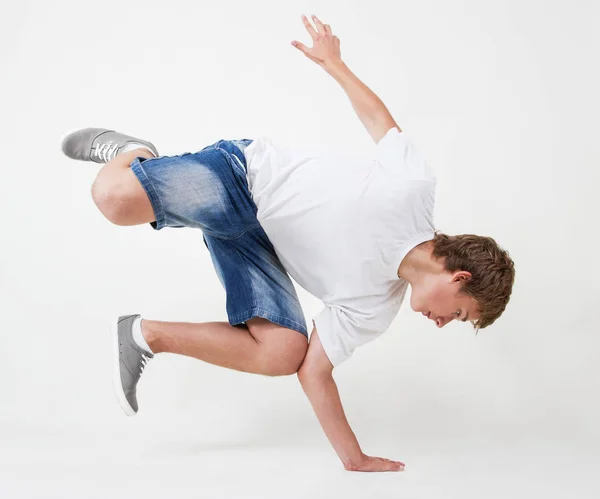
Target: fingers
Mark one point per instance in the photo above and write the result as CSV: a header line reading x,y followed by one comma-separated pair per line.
x,y
305,50
374,464
322,29
309,27
300,46
393,465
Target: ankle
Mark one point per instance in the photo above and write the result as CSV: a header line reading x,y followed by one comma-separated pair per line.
x,y
144,152
151,336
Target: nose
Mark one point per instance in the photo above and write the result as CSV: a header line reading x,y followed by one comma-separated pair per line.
x,y
442,321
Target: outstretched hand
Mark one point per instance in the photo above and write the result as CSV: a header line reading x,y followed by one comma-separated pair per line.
x,y
326,47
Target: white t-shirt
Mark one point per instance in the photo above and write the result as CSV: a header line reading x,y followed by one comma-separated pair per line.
x,y
341,226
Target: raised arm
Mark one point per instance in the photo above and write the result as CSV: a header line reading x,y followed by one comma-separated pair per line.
x,y
326,53
316,377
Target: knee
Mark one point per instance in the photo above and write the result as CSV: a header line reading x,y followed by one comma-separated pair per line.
x,y
111,201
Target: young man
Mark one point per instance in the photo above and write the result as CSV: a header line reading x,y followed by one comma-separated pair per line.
x,y
353,233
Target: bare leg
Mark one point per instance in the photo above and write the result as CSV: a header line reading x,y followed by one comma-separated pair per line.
x,y
230,346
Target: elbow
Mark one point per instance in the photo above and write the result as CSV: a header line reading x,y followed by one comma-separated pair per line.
x,y
315,365
303,375
308,376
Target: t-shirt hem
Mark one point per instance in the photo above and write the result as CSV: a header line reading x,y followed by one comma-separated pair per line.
x,y
328,348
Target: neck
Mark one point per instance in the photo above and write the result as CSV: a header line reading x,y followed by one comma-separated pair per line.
x,y
418,262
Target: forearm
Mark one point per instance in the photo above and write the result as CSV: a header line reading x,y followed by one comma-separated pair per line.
x,y
325,400
365,102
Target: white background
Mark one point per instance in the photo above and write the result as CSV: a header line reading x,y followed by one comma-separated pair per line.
x,y
501,97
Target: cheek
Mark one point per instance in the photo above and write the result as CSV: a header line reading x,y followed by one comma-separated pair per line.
x,y
435,299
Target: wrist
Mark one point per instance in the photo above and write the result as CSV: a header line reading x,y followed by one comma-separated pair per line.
x,y
333,65
352,463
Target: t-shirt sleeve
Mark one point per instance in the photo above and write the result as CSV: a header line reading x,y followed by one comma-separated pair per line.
x,y
396,152
341,331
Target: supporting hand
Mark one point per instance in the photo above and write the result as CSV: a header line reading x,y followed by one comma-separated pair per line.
x,y
372,463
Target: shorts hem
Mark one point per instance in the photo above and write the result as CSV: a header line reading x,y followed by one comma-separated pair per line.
x,y
140,173
238,318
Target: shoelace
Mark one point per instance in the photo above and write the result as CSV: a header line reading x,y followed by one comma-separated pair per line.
x,y
106,150
144,361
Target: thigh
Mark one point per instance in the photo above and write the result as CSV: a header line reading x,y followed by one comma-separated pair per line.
x,y
256,283
207,190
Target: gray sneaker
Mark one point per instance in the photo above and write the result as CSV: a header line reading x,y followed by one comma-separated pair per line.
x,y
99,144
128,363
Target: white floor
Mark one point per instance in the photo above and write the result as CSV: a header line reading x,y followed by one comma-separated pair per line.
x,y
132,459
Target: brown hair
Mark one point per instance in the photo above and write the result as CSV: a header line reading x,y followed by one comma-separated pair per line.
x,y
492,270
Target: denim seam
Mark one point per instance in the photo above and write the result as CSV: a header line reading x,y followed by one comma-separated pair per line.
x,y
248,277
231,238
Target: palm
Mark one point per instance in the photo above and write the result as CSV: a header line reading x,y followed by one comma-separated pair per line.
x,y
372,463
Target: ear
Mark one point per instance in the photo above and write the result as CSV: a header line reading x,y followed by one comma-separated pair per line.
x,y
462,275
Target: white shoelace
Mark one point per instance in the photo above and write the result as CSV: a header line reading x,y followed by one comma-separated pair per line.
x,y
145,360
106,150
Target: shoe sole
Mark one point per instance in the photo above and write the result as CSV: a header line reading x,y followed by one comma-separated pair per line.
x,y
118,384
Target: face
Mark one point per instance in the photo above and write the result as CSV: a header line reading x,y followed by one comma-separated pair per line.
x,y
438,298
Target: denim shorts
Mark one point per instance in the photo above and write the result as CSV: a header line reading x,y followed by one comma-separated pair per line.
x,y
208,190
